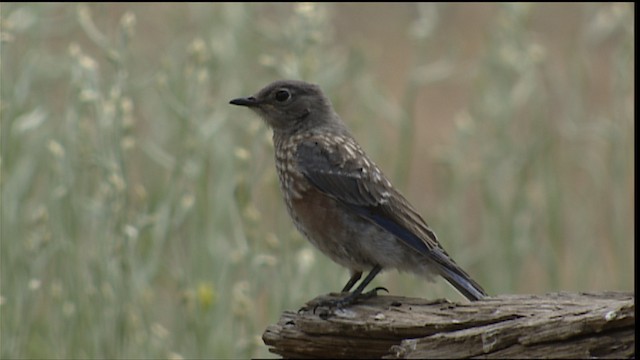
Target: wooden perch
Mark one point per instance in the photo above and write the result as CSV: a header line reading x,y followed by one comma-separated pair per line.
x,y
558,325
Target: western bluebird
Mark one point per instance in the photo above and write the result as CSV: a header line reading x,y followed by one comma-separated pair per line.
x,y
340,200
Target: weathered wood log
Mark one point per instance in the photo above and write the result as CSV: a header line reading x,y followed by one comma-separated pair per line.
x,y
557,325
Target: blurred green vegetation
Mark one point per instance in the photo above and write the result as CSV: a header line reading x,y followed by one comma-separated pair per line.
x,y
140,214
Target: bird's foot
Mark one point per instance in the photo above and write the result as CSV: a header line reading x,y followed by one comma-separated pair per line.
x,y
343,302
374,292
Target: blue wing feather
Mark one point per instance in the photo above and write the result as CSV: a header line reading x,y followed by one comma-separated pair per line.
x,y
393,227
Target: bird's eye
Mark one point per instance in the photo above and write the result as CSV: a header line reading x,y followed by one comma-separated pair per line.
x,y
283,95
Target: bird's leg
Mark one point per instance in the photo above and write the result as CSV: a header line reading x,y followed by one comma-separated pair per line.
x,y
356,294
355,276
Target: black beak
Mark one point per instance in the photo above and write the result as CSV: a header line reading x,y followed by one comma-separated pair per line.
x,y
245,101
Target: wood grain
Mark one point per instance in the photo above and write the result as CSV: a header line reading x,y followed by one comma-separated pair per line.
x,y
556,325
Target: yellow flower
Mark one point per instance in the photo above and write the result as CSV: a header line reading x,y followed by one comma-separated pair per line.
x,y
205,295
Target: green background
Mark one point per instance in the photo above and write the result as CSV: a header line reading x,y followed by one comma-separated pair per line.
x,y
141,215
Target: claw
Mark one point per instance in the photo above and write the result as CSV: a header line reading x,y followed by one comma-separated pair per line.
x,y
349,299
374,292
315,307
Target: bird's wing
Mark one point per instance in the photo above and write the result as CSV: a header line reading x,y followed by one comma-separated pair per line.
x,y
340,169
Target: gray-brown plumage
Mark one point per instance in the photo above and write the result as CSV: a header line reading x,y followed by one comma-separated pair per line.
x,y
340,200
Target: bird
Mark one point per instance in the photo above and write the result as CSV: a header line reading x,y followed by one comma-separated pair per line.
x,y
341,201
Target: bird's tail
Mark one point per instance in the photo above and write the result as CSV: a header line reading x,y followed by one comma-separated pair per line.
x,y
462,282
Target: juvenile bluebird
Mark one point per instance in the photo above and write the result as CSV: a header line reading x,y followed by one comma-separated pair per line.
x,y
340,200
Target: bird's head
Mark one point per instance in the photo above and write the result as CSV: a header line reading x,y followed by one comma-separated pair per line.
x,y
290,106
